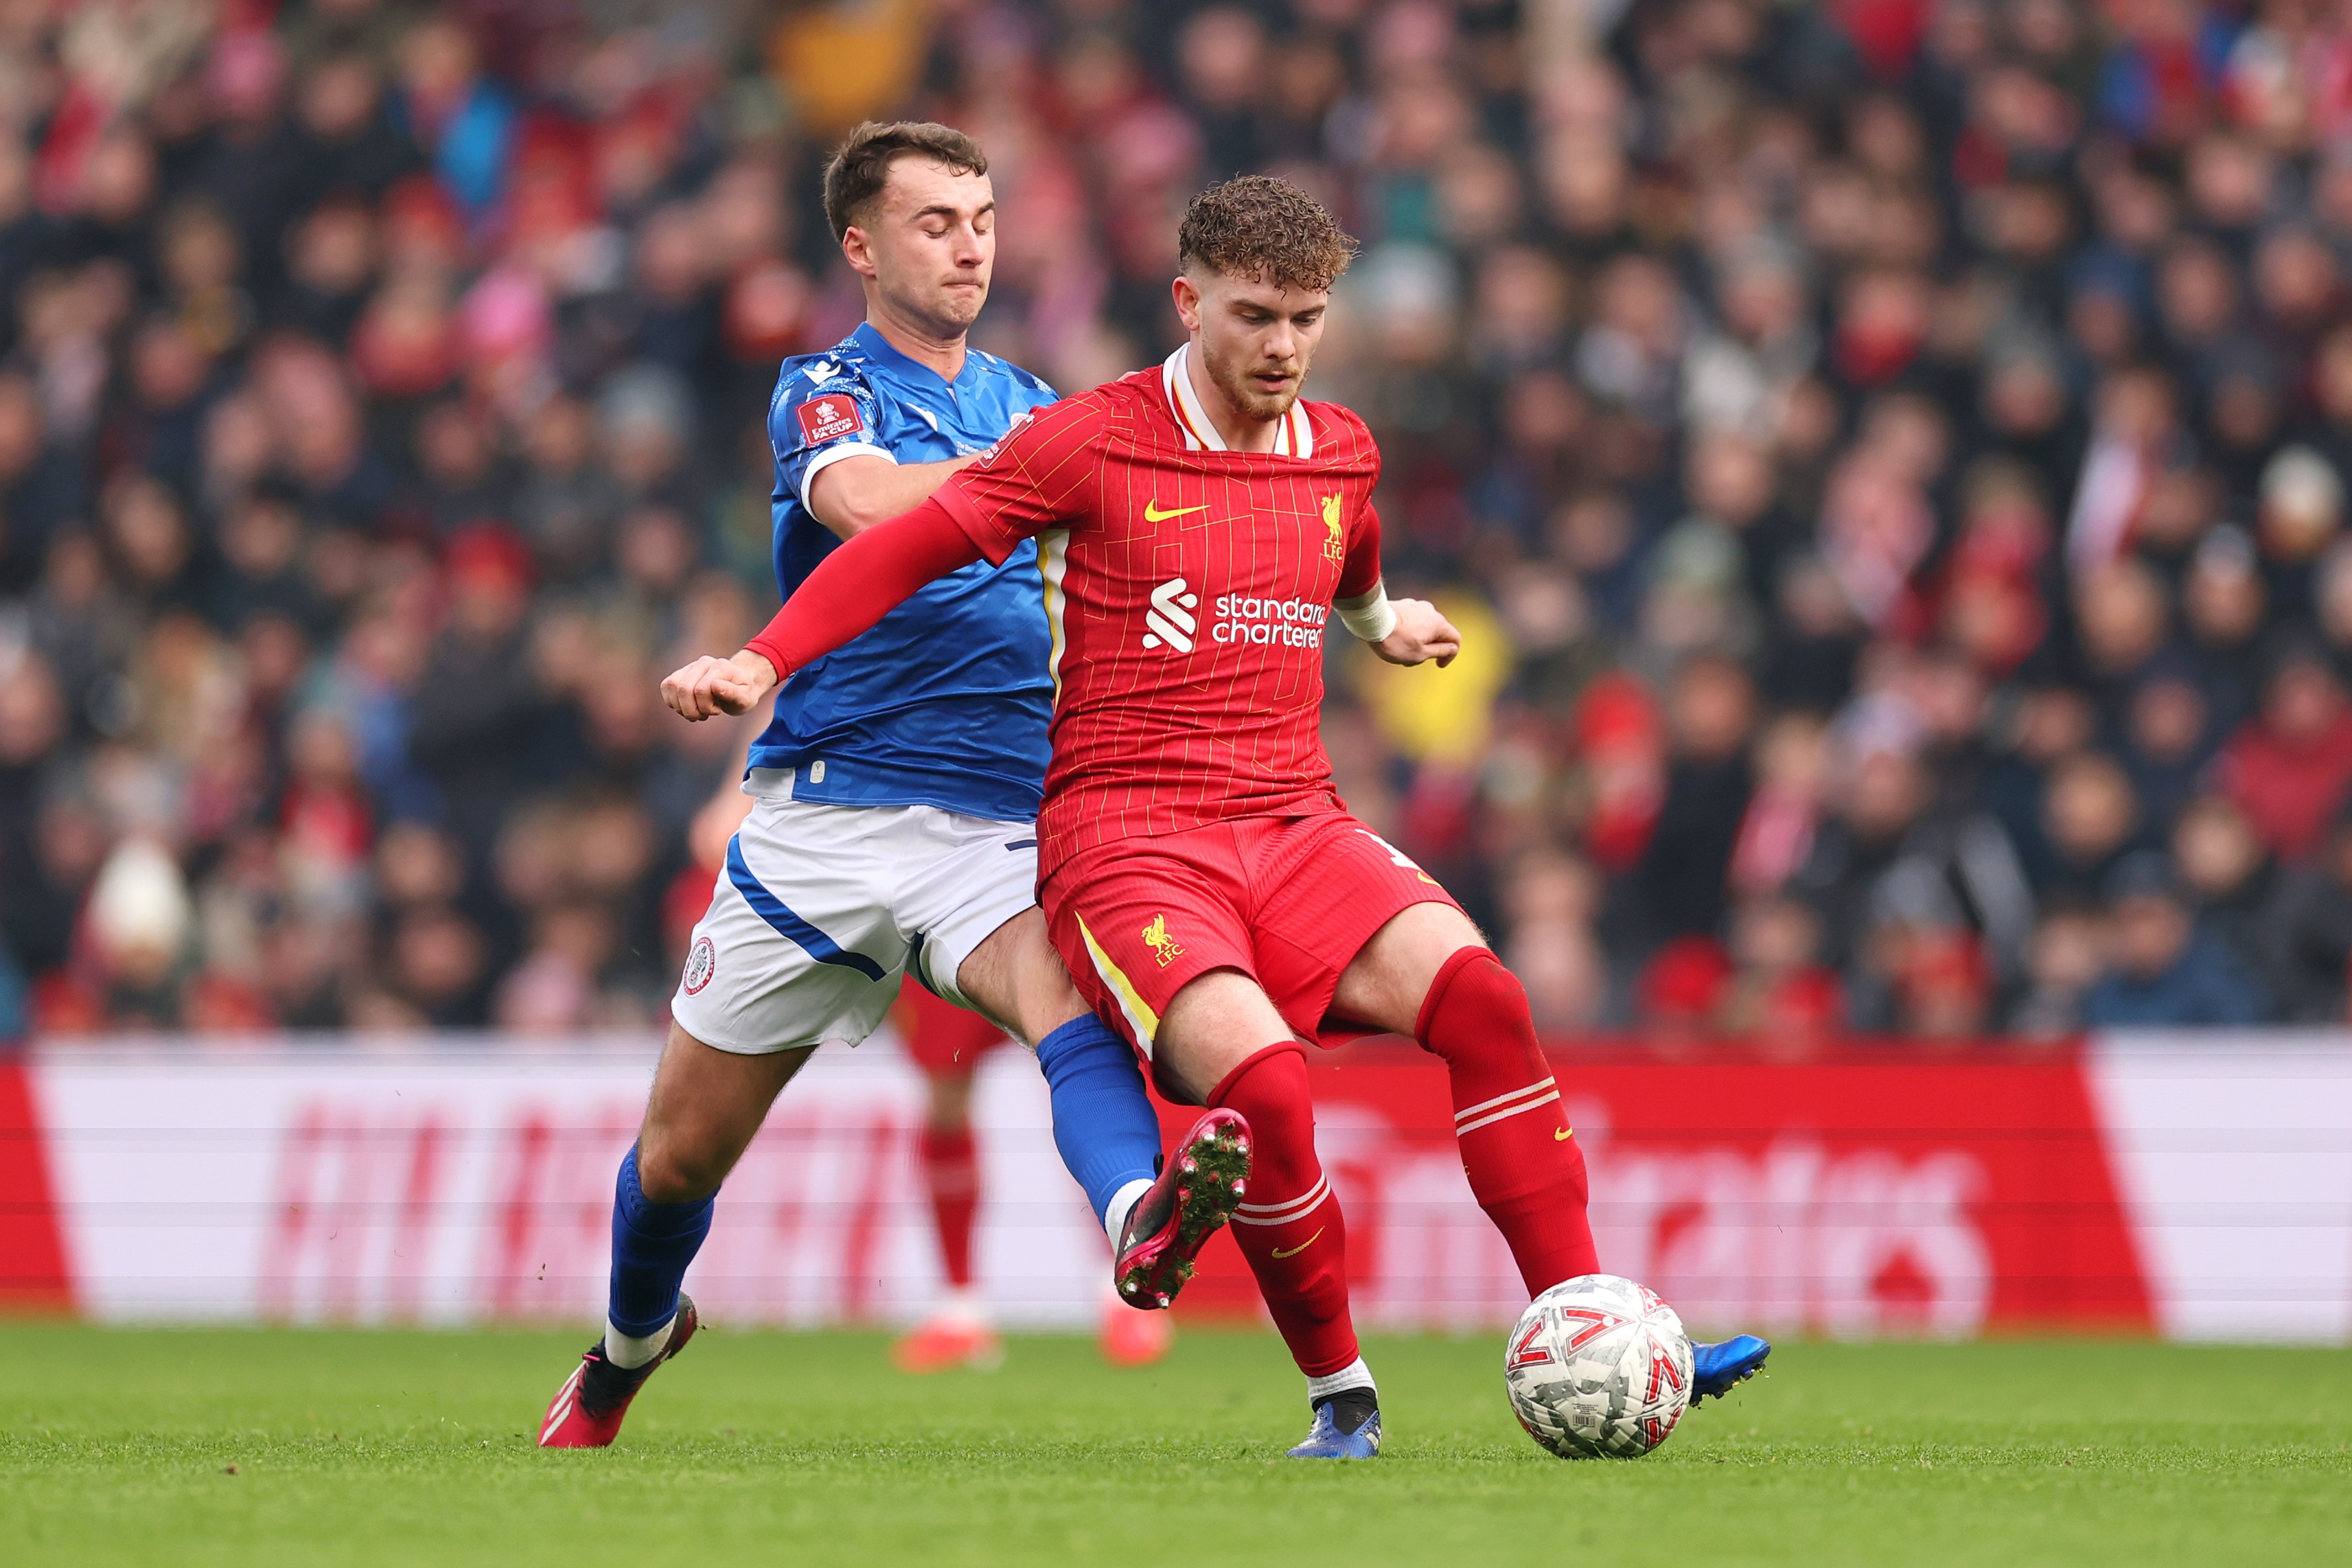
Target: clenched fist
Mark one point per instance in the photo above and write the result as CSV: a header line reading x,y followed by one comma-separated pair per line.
x,y
1419,633
710,687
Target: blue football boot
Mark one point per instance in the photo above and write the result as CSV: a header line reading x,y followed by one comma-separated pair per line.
x,y
1347,1426
1717,1369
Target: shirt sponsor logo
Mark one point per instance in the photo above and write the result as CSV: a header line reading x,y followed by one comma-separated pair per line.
x,y
1269,622
824,419
1237,618
1171,616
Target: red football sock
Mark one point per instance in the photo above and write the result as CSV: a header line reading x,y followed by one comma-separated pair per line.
x,y
1519,1151
1291,1230
951,1170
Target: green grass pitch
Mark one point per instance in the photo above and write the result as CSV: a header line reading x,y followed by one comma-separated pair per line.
x,y
250,1449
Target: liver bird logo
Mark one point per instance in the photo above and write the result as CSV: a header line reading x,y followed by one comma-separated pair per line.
x,y
1163,947
1335,547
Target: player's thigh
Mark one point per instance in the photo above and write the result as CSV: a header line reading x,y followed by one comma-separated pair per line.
x,y
1386,982
1137,926
1218,1021
1343,915
704,1107
967,899
799,946
1016,975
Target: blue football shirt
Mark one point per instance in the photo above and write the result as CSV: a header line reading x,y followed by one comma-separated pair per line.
x,y
946,701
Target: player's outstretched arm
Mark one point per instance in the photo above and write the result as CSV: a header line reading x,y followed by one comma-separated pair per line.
x,y
850,591
860,493
1422,633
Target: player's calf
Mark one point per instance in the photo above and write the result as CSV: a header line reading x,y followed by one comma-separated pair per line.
x,y
1104,1125
652,1245
1518,1148
1291,1230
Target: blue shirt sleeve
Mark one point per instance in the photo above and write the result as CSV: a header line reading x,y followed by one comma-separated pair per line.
x,y
823,411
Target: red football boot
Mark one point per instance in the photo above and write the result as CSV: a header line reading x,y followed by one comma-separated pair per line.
x,y
948,1340
587,1410
1134,1339
1197,1191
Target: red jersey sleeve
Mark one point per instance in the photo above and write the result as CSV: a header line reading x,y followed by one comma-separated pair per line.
x,y
862,580
1036,477
1361,572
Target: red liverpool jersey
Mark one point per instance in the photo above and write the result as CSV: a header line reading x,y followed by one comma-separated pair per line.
x,y
1189,589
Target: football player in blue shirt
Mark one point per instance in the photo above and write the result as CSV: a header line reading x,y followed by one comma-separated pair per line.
x,y
893,795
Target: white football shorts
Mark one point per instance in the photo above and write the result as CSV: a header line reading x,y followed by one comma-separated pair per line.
x,y
820,909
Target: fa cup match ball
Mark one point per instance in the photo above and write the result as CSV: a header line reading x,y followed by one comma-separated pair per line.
x,y
1597,1368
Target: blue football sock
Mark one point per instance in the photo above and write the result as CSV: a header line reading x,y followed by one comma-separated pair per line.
x,y
652,1245
1103,1123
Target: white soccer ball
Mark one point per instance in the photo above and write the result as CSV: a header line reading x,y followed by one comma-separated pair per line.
x,y
1597,1368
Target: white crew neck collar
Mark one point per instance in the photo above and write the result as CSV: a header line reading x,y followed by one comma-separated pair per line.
x,y
1295,438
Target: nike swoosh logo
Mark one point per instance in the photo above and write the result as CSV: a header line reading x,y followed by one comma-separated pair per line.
x,y
1151,513
1302,1245
1562,1134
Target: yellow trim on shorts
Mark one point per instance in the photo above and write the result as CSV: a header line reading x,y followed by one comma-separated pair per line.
x,y
1139,1015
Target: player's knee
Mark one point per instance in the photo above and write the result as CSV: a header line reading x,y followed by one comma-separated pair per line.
x,y
1270,1088
1049,1002
676,1166
1473,1003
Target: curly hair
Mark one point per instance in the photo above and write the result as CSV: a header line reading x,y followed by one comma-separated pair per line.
x,y
860,166
1261,227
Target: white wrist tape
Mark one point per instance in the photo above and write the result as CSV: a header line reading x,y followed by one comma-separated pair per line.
x,y
1370,617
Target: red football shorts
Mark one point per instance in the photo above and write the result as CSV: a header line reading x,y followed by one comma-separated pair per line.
x,y
943,1038
1288,901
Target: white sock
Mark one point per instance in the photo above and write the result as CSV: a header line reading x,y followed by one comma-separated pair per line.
x,y
1122,1203
1355,1374
630,1352
961,1304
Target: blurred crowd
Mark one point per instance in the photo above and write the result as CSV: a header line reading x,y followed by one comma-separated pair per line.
x,y
1890,458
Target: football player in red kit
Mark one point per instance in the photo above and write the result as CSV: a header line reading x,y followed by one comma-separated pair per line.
x,y
946,1042
1198,525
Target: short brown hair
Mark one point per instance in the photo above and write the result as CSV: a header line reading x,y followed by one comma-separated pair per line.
x,y
860,166
1261,227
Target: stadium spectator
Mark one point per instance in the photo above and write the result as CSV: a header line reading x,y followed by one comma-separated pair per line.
x,y
1873,448
2309,935
1679,887
2162,971
2061,967
2288,766
1779,991
2237,886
